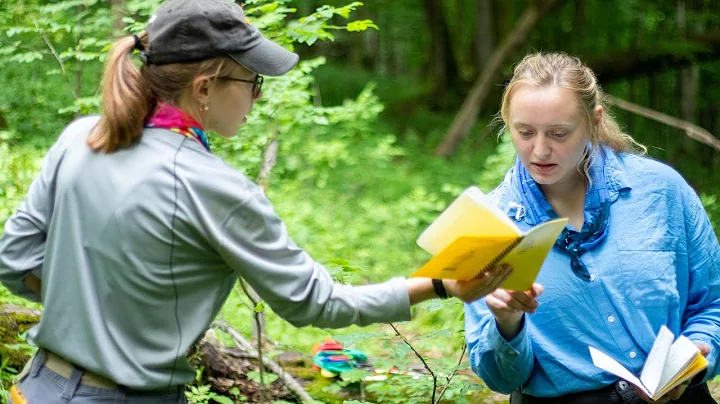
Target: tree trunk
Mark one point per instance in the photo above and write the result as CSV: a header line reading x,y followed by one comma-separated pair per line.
x,y
484,38
118,12
688,83
689,77
371,45
438,52
356,50
467,116
382,49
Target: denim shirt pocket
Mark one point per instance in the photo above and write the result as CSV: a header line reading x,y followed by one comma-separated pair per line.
x,y
648,271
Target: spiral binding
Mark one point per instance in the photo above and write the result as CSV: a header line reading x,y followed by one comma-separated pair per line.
x,y
498,258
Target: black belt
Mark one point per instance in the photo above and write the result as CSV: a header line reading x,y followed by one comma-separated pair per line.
x,y
620,392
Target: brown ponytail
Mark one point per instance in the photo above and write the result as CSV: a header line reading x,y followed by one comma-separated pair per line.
x,y
126,97
131,94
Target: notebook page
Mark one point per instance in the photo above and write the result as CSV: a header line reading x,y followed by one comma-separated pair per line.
x,y
609,364
652,371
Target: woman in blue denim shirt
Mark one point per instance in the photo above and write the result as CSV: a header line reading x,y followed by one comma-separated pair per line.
x,y
639,251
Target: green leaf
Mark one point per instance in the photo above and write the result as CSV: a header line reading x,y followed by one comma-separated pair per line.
x,y
221,399
25,57
339,262
345,11
268,378
353,376
259,307
361,25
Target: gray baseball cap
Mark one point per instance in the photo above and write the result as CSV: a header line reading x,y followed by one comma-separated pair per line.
x,y
192,30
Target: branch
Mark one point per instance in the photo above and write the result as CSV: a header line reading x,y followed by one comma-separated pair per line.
x,y
405,340
626,64
449,378
466,118
241,342
57,57
259,330
269,159
693,131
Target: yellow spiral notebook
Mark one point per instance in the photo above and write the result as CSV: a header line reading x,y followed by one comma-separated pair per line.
x,y
472,235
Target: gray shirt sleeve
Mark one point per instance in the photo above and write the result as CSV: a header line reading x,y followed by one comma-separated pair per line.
x,y
22,245
255,243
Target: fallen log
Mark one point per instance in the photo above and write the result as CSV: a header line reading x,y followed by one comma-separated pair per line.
x,y
248,347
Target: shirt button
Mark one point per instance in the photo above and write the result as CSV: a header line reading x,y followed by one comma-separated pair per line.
x,y
611,319
633,354
592,277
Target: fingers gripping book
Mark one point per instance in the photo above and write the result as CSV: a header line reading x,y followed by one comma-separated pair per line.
x,y
472,235
668,364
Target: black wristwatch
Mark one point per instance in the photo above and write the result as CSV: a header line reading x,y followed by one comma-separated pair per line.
x,y
440,288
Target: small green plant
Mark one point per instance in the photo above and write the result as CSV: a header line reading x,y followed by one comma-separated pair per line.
x,y
203,395
267,378
7,374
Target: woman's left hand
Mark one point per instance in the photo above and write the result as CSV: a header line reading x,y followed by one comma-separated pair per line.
x,y
679,390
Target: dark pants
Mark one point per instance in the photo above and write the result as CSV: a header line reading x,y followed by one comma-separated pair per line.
x,y
41,385
618,393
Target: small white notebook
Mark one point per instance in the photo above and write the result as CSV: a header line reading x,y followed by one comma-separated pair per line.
x,y
668,364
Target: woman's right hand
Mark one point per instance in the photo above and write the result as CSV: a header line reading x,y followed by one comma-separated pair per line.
x,y
469,291
508,307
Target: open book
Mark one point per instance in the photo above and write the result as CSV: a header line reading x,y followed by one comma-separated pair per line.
x,y
472,235
668,364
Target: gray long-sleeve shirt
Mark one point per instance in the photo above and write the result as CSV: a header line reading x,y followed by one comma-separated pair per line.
x,y
139,249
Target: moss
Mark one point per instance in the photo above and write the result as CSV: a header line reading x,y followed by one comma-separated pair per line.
x,y
321,389
15,320
304,373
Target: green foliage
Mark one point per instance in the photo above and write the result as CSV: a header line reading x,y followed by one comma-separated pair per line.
x,y
7,373
203,395
267,378
14,349
18,166
316,26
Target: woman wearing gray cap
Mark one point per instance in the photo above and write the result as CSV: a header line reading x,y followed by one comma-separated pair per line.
x,y
139,233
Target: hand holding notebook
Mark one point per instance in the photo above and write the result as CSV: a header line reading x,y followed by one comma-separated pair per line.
x,y
472,236
668,364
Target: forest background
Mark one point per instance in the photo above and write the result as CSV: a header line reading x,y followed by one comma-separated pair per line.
x,y
388,117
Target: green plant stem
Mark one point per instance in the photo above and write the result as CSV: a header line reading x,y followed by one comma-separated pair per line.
x,y
405,340
449,378
261,365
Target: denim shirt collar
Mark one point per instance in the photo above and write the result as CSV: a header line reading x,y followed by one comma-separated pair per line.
x,y
615,176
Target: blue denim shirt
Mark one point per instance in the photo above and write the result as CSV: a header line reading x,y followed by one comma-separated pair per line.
x,y
660,265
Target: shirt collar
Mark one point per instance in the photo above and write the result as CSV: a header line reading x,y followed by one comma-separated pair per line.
x,y
615,177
